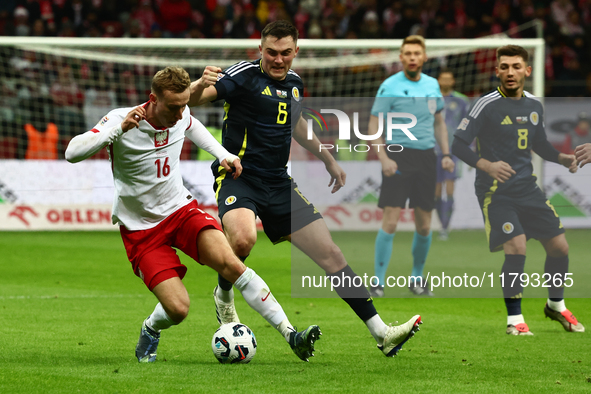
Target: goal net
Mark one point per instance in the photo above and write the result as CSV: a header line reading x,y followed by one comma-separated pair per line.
x,y
55,88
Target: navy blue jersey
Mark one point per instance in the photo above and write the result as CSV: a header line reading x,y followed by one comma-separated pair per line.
x,y
505,129
258,116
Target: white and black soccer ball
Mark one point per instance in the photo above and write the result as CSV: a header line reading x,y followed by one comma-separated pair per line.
x,y
234,343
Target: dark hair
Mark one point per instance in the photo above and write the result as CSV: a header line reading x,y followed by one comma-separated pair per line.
x,y
280,29
512,50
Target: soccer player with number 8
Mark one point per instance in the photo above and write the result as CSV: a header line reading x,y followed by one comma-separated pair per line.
x,y
508,123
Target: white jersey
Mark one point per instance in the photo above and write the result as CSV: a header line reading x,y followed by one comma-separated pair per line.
x,y
145,163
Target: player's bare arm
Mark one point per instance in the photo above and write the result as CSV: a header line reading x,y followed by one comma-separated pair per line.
x,y
389,166
203,90
337,174
569,161
583,154
498,170
440,131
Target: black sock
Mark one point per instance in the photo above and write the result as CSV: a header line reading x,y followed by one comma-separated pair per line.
x,y
357,297
225,284
512,290
557,267
513,306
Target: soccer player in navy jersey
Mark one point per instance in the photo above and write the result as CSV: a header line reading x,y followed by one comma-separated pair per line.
x,y
508,123
257,128
456,108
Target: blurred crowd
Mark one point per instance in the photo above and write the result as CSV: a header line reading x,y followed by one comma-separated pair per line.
x,y
565,24
73,96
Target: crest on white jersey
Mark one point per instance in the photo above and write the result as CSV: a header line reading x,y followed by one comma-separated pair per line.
x,y
161,138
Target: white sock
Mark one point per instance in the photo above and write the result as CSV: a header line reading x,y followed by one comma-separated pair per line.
x,y
225,296
159,319
285,328
513,320
558,306
257,295
378,328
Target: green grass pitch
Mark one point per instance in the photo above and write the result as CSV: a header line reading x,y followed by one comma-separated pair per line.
x,y
71,310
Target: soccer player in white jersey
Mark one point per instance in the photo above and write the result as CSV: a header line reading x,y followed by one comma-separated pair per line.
x,y
156,212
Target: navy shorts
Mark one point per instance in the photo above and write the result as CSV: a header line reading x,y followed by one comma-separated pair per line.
x,y
276,201
506,217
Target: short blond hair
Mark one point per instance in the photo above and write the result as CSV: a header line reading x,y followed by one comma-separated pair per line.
x,y
173,79
414,39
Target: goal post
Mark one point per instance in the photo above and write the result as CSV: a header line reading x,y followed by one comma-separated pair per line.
x,y
72,82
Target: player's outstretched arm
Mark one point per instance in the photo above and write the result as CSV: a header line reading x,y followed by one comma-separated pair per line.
x,y
583,154
203,90
440,131
204,140
338,176
88,144
389,166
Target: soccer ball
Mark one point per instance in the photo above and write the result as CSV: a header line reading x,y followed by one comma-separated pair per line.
x,y
234,343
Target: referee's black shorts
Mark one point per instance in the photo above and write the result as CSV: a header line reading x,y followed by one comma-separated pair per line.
x,y
415,180
276,201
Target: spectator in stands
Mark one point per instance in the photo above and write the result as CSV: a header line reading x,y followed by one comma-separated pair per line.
x,y
146,16
21,21
248,25
68,100
175,17
99,99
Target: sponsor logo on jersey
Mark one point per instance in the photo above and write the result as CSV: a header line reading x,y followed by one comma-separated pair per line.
x,y
295,93
534,117
463,124
266,91
508,228
507,120
161,138
220,76
432,105
230,200
521,119
281,93
104,120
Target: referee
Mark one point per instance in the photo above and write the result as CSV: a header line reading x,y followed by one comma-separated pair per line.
x,y
409,173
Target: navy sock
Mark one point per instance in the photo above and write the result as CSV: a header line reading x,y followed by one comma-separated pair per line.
x,y
556,266
439,208
358,298
512,289
225,284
